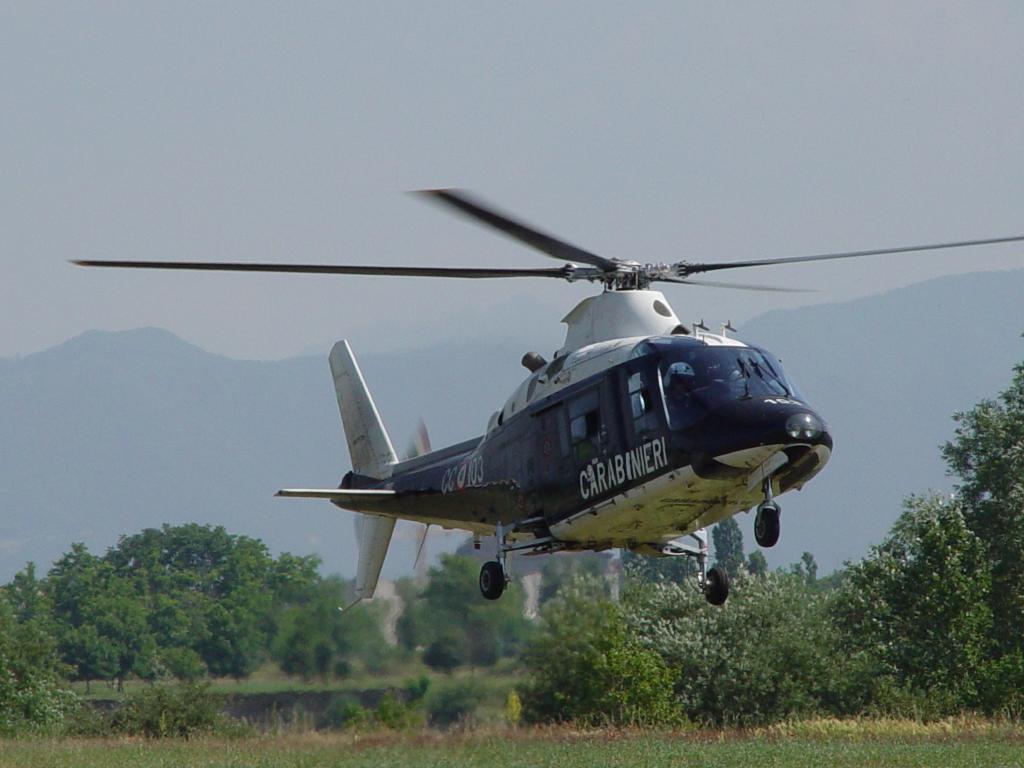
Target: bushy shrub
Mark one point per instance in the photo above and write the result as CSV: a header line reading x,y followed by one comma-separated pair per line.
x,y
454,704
344,712
585,665
416,688
84,720
395,714
161,711
445,654
768,654
32,701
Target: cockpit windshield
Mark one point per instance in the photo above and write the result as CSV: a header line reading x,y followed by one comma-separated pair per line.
x,y
698,378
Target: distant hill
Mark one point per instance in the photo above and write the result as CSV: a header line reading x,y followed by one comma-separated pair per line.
x,y
112,432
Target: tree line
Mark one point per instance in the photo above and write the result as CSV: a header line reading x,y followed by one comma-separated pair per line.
x,y
929,623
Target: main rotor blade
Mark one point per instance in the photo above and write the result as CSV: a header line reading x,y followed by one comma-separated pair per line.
x,y
524,233
690,269
330,269
737,286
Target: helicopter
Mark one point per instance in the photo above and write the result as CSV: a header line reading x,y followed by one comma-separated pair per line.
x,y
639,433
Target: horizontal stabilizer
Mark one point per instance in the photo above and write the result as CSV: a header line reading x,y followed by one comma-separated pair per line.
x,y
335,494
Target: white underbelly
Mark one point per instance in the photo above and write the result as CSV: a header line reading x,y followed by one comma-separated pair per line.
x,y
674,503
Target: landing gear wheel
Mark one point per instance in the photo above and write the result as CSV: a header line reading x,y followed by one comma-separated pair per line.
x,y
716,586
492,580
766,524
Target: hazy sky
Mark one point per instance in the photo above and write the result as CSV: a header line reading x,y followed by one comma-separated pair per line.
x,y
656,131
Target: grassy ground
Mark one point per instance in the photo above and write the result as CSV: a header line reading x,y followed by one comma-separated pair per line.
x,y
818,743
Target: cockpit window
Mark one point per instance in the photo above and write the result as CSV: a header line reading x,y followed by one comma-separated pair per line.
x,y
696,379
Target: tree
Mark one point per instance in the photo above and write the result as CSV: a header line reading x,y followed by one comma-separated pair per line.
x,y
915,607
180,600
655,570
446,653
757,565
728,540
987,455
27,597
210,592
101,619
559,569
586,666
807,568
450,607
315,639
32,701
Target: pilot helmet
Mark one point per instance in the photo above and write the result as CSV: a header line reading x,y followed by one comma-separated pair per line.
x,y
679,375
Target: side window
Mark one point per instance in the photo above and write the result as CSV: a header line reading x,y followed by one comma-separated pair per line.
x,y
585,425
555,439
641,404
639,398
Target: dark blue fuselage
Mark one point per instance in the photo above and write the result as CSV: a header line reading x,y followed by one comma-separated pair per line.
x,y
675,404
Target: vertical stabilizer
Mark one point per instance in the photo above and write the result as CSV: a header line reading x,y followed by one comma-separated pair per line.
x,y
372,455
373,534
368,443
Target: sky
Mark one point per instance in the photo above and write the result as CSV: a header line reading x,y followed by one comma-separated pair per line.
x,y
652,131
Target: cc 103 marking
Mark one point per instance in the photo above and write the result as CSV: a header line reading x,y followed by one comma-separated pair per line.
x,y
467,474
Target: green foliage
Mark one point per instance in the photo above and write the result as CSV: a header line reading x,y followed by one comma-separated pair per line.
x,y
395,714
344,712
728,540
416,688
179,601
657,570
31,699
315,639
767,654
987,455
558,570
586,666
445,654
757,565
915,607
161,711
453,621
513,708
807,568
392,712
454,704
27,597
183,664
101,619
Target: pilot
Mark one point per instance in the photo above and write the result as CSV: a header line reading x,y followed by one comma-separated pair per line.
x,y
679,380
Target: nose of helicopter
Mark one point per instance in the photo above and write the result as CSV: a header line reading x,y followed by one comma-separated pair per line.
x,y
741,435
770,421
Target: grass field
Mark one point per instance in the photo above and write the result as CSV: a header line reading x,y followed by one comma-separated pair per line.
x,y
818,743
